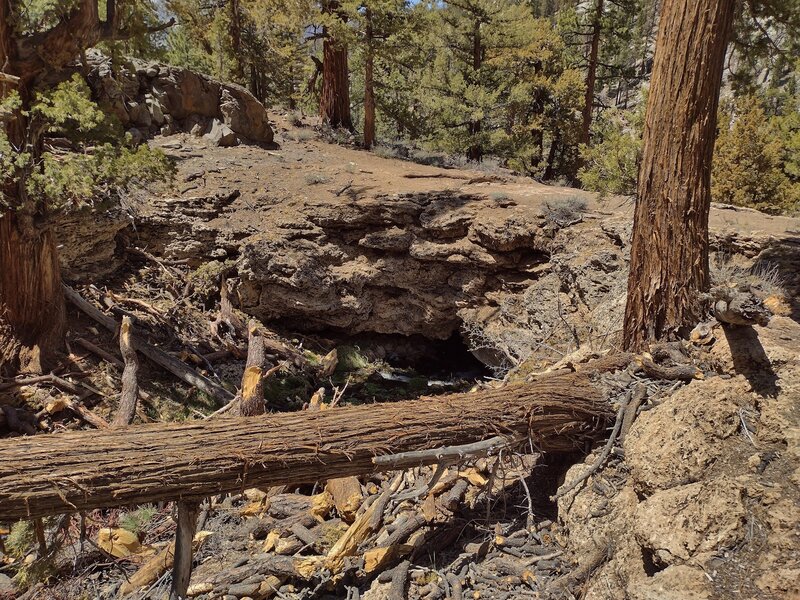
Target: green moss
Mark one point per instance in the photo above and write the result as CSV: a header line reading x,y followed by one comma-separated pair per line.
x,y
351,359
21,538
205,278
279,389
138,519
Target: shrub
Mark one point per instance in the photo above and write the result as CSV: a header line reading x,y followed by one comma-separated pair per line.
x,y
611,162
562,212
316,178
750,159
102,167
386,151
136,520
762,276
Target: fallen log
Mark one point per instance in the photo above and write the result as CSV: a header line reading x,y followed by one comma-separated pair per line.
x,y
80,471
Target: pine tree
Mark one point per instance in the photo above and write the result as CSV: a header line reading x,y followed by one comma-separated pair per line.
x,y
376,30
33,42
748,167
498,85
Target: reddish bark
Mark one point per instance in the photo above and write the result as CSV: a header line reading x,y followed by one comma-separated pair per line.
x,y
669,252
591,72
334,103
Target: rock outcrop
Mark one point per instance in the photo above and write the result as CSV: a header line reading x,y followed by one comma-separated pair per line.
x,y
430,264
149,97
404,264
705,504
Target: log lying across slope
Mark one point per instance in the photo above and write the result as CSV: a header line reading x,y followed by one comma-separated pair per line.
x,y
76,471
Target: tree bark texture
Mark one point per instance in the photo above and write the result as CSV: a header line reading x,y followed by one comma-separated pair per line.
x,y
591,71
475,152
252,401
669,252
79,471
182,566
31,302
334,103
235,31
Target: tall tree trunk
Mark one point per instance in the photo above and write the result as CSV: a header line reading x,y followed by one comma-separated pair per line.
x,y
550,169
669,252
591,72
475,152
31,301
237,72
334,103
369,85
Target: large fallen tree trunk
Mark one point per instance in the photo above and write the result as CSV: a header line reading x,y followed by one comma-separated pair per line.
x,y
77,471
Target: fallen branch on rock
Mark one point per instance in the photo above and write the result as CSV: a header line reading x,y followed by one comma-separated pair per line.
x,y
738,306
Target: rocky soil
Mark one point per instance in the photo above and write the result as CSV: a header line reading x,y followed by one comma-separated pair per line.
x,y
699,500
705,503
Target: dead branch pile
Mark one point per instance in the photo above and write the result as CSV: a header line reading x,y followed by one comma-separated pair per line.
x,y
354,533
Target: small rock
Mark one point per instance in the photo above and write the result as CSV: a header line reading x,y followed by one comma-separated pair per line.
x,y
197,129
7,585
221,134
754,462
137,137
169,129
194,175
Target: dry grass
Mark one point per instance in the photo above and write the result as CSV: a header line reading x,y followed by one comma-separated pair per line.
x,y
316,178
562,212
762,276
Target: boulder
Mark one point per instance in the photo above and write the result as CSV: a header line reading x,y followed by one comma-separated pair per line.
x,y
140,115
183,93
154,107
244,114
148,95
221,134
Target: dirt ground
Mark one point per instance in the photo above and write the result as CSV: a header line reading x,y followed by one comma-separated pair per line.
x,y
701,499
291,170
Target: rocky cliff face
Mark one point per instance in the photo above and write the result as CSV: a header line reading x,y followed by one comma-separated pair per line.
x,y
431,264
149,98
499,264
393,264
404,264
